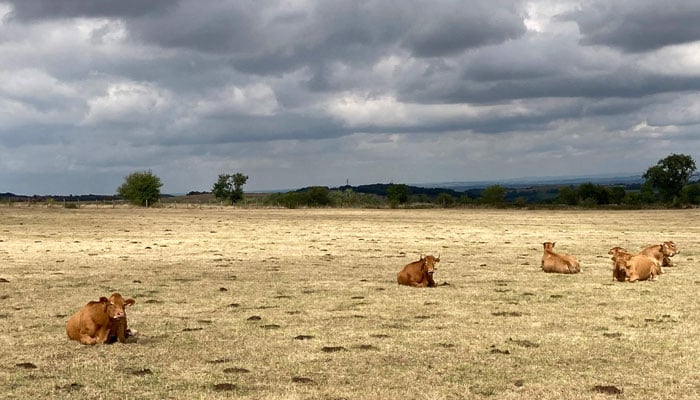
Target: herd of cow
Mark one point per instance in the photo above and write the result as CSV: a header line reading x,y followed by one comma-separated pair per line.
x,y
104,321
626,266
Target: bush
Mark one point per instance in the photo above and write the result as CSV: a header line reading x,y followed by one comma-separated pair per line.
x,y
141,188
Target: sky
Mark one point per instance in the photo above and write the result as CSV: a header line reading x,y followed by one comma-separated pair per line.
x,y
297,93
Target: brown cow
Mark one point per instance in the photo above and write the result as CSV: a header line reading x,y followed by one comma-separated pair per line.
x,y
419,273
560,263
102,321
662,252
639,267
619,271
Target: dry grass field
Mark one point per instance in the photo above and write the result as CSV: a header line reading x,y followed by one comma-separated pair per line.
x,y
303,304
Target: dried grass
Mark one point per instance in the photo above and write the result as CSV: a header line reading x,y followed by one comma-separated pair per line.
x,y
331,321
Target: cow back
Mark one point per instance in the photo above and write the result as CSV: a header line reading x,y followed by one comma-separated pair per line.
x,y
641,267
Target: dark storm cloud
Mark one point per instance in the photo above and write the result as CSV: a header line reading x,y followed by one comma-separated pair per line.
x,y
51,9
637,25
302,92
628,84
261,41
441,32
244,128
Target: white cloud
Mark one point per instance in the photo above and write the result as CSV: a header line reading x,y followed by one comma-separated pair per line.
x,y
127,102
257,99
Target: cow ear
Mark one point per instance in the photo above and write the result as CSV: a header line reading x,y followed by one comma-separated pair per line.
x,y
129,302
104,300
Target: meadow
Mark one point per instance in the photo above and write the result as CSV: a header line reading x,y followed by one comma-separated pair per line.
x,y
304,304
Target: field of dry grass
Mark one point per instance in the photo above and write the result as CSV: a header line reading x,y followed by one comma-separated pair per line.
x,y
303,304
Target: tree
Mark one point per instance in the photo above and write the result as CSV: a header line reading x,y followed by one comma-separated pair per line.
x,y
445,199
669,175
230,187
567,195
319,196
494,195
592,194
691,194
141,188
397,194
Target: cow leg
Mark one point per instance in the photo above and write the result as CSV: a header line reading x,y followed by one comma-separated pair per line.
x,y
102,336
87,339
121,333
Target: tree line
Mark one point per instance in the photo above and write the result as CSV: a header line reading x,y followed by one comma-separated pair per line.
x,y
667,183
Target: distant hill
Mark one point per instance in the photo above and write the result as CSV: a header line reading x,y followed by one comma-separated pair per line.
x,y
80,197
59,198
542,181
531,190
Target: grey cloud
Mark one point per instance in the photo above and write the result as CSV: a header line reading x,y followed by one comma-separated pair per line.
x,y
242,128
637,25
443,31
52,9
350,32
626,83
335,89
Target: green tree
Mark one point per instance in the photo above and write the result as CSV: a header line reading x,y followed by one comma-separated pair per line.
x,y
669,175
445,199
691,194
617,194
319,196
646,194
567,195
397,194
229,187
592,194
494,195
141,188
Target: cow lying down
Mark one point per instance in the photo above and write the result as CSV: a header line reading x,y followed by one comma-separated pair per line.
x,y
662,252
637,268
102,321
619,255
560,263
640,267
419,273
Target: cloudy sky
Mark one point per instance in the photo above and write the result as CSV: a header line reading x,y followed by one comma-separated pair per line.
x,y
296,93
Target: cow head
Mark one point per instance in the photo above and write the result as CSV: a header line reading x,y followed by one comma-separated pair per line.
x,y
116,305
622,264
548,245
618,252
669,249
428,263
620,268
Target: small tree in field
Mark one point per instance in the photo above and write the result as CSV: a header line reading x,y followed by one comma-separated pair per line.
x,y
230,187
140,188
669,175
397,194
493,195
